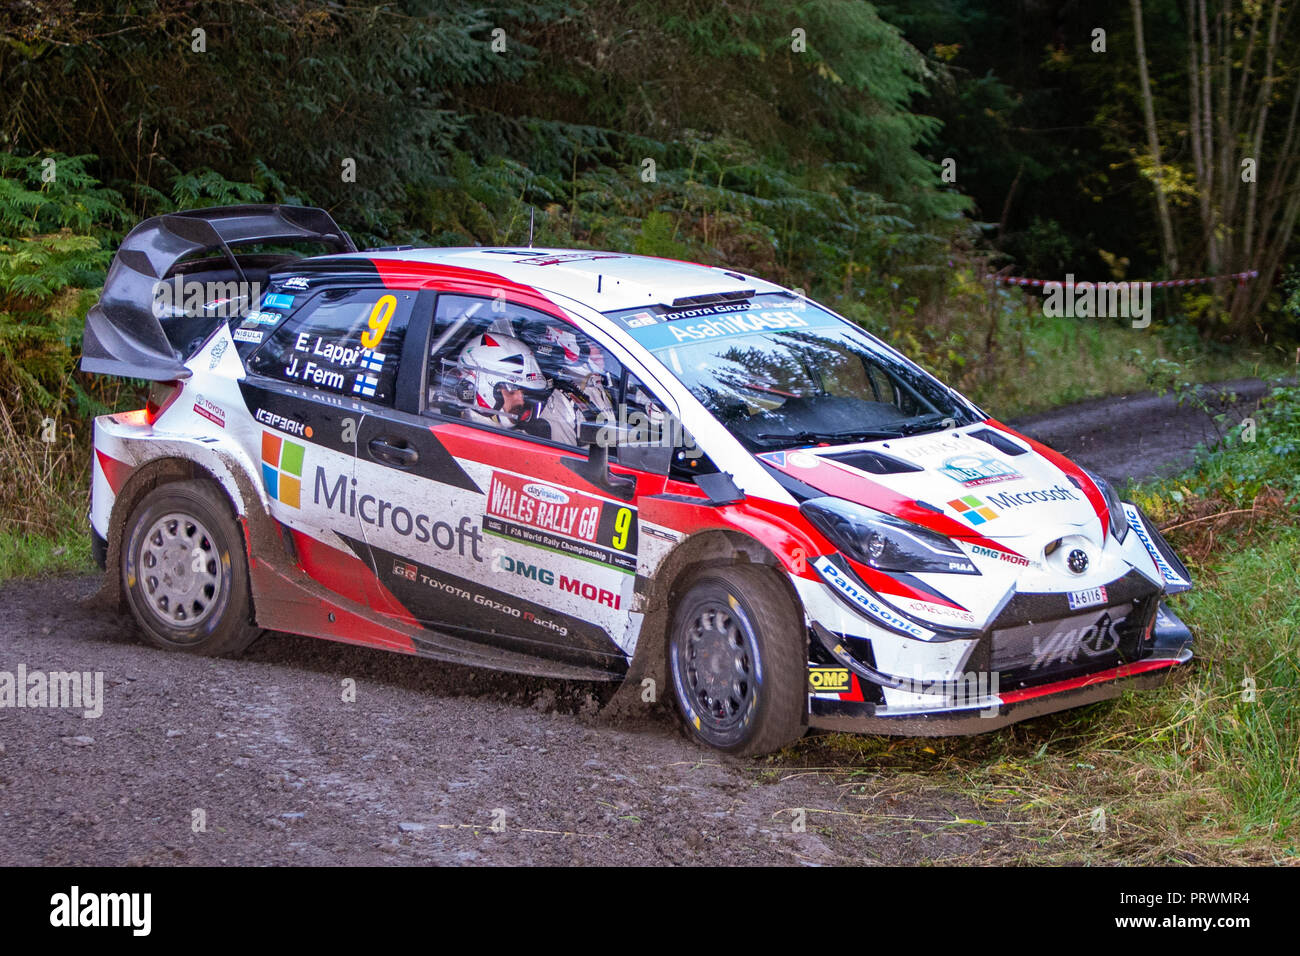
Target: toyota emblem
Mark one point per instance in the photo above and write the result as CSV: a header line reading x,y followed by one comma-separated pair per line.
x,y
1078,561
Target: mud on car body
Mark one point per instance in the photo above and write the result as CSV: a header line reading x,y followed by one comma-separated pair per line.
x,y
593,465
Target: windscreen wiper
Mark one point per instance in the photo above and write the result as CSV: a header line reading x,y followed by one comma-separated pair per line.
x,y
810,437
927,423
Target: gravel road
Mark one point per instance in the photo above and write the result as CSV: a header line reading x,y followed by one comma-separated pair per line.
x,y
1144,435
261,760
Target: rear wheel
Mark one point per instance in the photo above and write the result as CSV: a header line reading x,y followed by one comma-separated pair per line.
x,y
737,660
184,571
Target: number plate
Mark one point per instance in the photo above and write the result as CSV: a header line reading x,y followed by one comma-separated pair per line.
x,y
1087,598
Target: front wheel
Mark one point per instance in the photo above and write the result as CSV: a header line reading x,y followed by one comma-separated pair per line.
x,y
184,571
737,658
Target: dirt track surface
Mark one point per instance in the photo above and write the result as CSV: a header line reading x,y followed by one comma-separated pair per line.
x,y
1144,435
287,773
413,771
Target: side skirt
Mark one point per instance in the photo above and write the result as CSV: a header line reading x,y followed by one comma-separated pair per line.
x,y
287,599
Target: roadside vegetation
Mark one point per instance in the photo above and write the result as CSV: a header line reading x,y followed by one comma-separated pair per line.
x,y
1204,770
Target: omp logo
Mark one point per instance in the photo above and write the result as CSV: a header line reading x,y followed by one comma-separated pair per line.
x,y
282,469
972,509
828,680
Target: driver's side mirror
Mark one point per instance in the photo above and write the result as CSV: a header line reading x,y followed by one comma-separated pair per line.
x,y
597,437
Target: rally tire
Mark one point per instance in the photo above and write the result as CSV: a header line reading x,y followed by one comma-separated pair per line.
x,y
184,570
737,661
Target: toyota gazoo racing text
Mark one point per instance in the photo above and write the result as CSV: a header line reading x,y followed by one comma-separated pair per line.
x,y
597,466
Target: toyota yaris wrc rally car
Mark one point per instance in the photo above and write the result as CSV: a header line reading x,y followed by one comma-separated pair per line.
x,y
597,466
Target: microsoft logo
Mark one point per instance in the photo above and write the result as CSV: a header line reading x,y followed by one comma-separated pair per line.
x,y
972,509
282,469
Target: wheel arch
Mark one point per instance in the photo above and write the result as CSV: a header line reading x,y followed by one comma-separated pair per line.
x,y
660,592
246,504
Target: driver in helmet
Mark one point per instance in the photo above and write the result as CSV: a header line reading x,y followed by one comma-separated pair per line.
x,y
500,383
581,383
578,370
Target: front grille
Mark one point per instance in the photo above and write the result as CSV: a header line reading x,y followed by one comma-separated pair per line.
x,y
1094,640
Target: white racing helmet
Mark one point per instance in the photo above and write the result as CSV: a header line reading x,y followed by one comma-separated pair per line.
x,y
493,362
582,364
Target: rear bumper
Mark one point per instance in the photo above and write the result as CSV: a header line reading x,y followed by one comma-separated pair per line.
x,y
992,709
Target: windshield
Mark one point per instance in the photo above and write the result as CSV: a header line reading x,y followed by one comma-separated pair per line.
x,y
780,374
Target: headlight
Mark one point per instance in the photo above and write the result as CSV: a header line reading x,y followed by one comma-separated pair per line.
x,y
882,542
1118,519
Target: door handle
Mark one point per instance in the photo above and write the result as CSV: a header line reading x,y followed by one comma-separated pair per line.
x,y
403,454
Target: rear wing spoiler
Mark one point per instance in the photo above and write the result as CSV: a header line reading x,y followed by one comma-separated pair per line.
x,y
138,329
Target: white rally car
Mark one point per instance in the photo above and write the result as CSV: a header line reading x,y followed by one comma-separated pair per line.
x,y
597,466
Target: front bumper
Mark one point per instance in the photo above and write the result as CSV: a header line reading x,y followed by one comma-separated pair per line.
x,y
985,705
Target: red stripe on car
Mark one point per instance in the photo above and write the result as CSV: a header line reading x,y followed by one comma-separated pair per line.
x,y
1090,491
115,472
1087,680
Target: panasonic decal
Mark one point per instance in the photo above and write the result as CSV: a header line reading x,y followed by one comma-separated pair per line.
x,y
1140,529
863,599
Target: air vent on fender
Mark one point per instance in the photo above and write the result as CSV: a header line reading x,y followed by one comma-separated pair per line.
x,y
998,440
874,462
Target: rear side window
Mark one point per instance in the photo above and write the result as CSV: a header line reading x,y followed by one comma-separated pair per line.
x,y
344,341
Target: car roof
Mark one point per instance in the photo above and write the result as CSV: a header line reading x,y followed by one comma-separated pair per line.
x,y
605,281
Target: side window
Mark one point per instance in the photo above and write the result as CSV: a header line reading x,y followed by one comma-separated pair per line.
x,y
345,341
511,367
648,422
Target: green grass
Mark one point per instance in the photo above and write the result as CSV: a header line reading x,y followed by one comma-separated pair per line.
x,y
31,556
1188,773
1065,360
